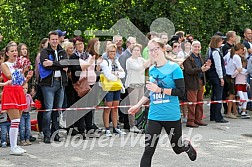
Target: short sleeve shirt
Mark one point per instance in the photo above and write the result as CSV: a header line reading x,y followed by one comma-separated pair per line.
x,y
164,107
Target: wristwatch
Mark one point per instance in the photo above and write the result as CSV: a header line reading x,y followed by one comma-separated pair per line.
x,y
162,90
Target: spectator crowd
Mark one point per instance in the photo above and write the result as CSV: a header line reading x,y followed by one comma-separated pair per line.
x,y
61,64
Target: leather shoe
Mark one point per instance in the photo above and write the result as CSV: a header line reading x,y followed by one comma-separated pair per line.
x,y
32,139
47,140
56,138
82,136
97,129
212,119
222,121
72,132
200,123
192,125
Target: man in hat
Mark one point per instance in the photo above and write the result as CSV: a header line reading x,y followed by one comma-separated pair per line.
x,y
62,35
218,33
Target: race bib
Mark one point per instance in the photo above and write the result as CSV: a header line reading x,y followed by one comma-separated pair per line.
x,y
158,98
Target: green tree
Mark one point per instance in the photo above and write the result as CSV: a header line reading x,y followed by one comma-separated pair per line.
x,y
29,21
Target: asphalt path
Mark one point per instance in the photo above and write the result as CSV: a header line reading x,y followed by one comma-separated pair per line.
x,y
218,145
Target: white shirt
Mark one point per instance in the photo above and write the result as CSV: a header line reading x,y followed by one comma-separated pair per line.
x,y
182,54
250,47
250,44
232,63
106,67
135,71
240,78
91,71
217,62
11,66
57,72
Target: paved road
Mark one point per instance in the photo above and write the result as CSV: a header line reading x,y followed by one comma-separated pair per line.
x,y
218,145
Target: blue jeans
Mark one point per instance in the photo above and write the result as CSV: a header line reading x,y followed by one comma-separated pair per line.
x,y
53,98
5,128
215,109
25,126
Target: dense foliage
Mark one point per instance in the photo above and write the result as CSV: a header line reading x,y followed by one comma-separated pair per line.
x,y
29,21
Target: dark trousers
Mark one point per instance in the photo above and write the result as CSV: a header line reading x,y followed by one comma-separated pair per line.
x,y
86,121
124,117
39,96
224,97
152,135
40,121
215,109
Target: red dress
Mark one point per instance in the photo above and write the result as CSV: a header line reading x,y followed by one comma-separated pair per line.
x,y
13,96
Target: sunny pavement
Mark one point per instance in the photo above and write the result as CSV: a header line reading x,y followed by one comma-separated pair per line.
x,y
218,145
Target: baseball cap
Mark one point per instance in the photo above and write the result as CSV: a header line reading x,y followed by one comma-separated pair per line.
x,y
218,33
61,33
175,38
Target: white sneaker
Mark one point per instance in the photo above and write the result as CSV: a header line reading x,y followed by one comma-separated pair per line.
x,y
40,135
134,129
108,133
244,115
184,120
16,151
21,149
4,145
119,131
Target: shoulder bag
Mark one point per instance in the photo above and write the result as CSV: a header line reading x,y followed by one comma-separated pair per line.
x,y
82,86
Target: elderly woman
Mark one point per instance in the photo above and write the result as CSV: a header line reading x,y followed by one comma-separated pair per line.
x,y
84,65
186,50
69,90
68,47
112,70
135,80
194,68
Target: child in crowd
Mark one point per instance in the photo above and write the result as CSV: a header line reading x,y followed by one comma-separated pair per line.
x,y
5,127
25,122
23,59
33,91
241,87
4,122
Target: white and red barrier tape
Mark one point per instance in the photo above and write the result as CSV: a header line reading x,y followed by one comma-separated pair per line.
x,y
128,106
